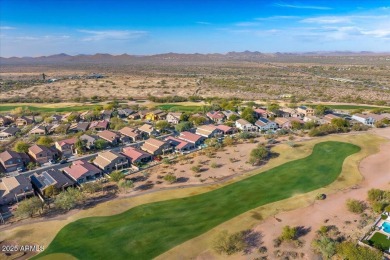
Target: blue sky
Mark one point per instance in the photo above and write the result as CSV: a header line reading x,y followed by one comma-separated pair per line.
x,y
35,28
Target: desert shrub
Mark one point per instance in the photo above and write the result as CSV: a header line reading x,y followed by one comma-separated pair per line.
x,y
170,178
229,244
289,233
355,206
195,168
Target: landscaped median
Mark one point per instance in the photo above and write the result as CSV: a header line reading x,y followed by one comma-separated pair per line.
x,y
148,230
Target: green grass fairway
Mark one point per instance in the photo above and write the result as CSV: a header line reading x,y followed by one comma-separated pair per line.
x,y
179,108
7,108
148,230
380,240
350,107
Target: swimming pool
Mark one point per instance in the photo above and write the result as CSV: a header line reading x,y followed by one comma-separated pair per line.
x,y
386,227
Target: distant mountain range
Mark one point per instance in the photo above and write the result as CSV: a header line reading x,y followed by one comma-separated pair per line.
x,y
178,57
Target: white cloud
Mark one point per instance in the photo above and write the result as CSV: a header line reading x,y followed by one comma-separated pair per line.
x,y
277,17
205,23
246,24
327,20
298,6
112,35
7,28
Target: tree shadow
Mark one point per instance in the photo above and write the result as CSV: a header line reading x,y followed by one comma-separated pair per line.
x,y
182,179
302,231
146,186
252,240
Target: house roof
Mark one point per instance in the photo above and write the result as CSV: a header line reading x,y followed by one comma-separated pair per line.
x,y
81,169
260,111
281,120
128,131
134,154
11,130
99,124
215,115
179,144
17,183
8,154
224,128
35,149
175,114
207,128
67,141
88,138
146,128
50,177
108,135
190,137
262,121
243,122
82,126
153,145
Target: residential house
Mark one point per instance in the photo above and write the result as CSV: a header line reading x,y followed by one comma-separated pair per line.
x,y
124,113
208,131
282,113
265,125
314,119
290,111
39,130
51,177
147,130
15,189
70,117
192,138
259,112
244,125
136,156
133,134
88,140
66,147
216,116
155,147
42,154
226,130
106,114
305,111
174,117
329,117
82,171
155,115
88,115
135,116
11,160
4,121
24,120
78,127
285,123
55,119
99,125
9,132
229,113
180,145
109,136
109,161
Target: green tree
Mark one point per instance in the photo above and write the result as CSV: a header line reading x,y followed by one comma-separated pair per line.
x,y
21,147
72,118
197,120
116,176
376,195
80,146
183,126
61,129
68,199
170,178
184,117
229,244
45,141
100,144
289,233
325,246
249,115
29,207
351,251
295,125
92,187
31,166
258,154
356,206
117,123
320,110
162,125
273,107
50,191
339,122
228,141
234,117
125,184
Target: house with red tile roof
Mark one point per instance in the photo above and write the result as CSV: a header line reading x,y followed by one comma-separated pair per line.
x,y
109,136
216,116
135,155
192,138
66,147
134,135
110,161
226,130
42,154
179,145
11,160
98,125
82,171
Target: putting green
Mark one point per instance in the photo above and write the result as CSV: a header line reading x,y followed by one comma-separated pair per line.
x,y
148,230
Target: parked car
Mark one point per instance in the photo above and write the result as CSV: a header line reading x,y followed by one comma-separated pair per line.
x,y
63,161
51,161
20,169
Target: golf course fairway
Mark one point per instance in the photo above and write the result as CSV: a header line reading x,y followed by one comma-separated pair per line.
x,y
149,230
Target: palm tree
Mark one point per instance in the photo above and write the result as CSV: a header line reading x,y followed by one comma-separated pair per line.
x,y
126,184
